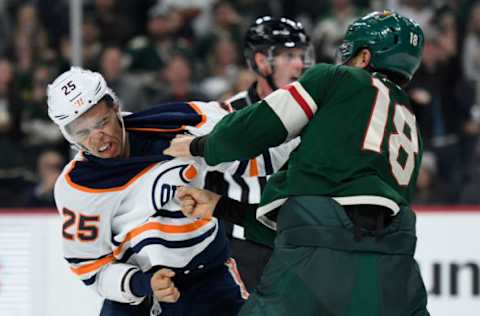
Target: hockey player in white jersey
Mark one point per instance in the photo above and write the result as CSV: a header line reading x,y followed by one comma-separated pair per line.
x,y
123,232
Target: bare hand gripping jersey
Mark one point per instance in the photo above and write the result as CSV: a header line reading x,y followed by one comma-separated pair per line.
x,y
121,215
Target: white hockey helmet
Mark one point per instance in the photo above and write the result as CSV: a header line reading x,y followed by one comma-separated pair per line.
x,y
73,93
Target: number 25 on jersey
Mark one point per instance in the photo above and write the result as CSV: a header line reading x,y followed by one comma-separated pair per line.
x,y
77,226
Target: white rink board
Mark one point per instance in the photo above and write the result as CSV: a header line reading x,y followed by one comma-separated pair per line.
x,y
35,280
51,289
449,246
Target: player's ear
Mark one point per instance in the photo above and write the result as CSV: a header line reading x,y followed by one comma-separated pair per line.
x,y
362,59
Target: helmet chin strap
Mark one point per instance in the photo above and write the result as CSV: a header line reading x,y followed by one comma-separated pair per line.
x,y
270,81
271,63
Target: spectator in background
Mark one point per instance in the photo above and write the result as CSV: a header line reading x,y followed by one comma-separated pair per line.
x,y
64,54
470,194
429,190
252,9
471,68
187,12
152,52
5,27
222,69
130,89
462,92
137,12
244,80
328,32
55,17
30,40
12,166
441,107
49,166
418,10
92,45
38,129
114,27
177,82
227,26
313,10
10,116
29,46
471,52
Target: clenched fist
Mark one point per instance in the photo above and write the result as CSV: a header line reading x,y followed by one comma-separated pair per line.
x,y
163,287
197,202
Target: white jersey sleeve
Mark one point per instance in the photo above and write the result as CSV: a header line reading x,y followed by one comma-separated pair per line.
x,y
87,241
211,112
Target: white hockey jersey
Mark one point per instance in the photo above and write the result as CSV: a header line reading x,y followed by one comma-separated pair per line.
x,y
121,215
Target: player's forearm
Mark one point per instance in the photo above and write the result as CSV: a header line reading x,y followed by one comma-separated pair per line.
x,y
241,135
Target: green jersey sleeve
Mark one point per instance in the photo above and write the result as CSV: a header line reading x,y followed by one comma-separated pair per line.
x,y
281,116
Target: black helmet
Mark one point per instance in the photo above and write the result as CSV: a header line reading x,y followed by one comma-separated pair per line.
x,y
267,34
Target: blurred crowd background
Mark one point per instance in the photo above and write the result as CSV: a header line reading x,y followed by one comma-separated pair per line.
x,y
151,51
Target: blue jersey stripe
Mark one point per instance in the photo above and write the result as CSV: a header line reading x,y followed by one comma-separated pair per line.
x,y
169,214
167,243
80,260
90,280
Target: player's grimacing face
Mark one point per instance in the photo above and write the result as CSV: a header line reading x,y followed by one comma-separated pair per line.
x,y
99,131
289,65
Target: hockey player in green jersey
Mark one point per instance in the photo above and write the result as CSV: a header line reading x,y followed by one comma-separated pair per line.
x,y
345,231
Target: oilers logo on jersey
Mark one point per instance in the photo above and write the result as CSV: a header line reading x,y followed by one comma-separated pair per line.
x,y
163,190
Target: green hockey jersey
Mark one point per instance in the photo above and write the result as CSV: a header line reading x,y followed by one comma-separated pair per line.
x,y
360,141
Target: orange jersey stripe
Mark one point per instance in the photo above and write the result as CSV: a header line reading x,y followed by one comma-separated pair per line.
x,y
113,189
253,168
171,229
199,112
89,267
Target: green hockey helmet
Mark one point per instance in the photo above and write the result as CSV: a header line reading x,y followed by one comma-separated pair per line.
x,y
395,42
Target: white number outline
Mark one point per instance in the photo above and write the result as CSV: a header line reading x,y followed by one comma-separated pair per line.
x,y
375,134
